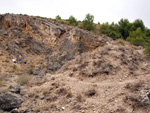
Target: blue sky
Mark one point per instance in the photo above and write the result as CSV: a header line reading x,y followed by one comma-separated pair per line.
x,y
103,10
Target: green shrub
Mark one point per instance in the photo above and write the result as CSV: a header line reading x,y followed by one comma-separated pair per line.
x,y
87,23
104,28
124,27
147,50
61,21
138,24
110,30
30,70
138,41
72,21
137,37
114,35
23,79
58,17
14,68
69,94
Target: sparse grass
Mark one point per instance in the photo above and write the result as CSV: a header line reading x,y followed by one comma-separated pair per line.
x,y
14,68
42,108
54,59
45,91
37,109
23,79
18,73
3,76
1,83
31,94
69,94
121,41
30,70
133,47
103,35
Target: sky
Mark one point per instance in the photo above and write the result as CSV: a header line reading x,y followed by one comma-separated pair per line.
x,y
102,10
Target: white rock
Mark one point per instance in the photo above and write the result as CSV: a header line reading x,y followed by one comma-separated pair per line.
x,y
63,108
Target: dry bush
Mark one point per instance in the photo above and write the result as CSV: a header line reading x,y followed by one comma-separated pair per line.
x,y
133,47
45,91
121,41
30,70
1,83
24,79
80,98
41,108
61,91
3,76
45,107
14,68
134,87
37,81
133,101
33,94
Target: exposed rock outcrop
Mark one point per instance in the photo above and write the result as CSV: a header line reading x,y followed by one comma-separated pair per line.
x,y
29,36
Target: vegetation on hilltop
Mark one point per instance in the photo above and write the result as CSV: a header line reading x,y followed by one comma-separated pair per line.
x,y
135,32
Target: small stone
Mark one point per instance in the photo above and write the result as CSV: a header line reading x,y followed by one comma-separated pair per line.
x,y
41,74
14,111
90,93
106,70
63,108
42,97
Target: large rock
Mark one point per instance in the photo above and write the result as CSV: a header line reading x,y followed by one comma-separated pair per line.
x,y
53,66
37,71
10,101
15,89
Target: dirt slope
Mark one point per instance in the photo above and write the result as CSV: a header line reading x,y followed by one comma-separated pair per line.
x,y
111,79
73,71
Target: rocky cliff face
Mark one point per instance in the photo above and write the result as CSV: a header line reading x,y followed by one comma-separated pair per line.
x,y
29,36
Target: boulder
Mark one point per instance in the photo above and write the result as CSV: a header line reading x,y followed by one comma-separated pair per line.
x,y
15,89
10,101
41,74
37,71
145,98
